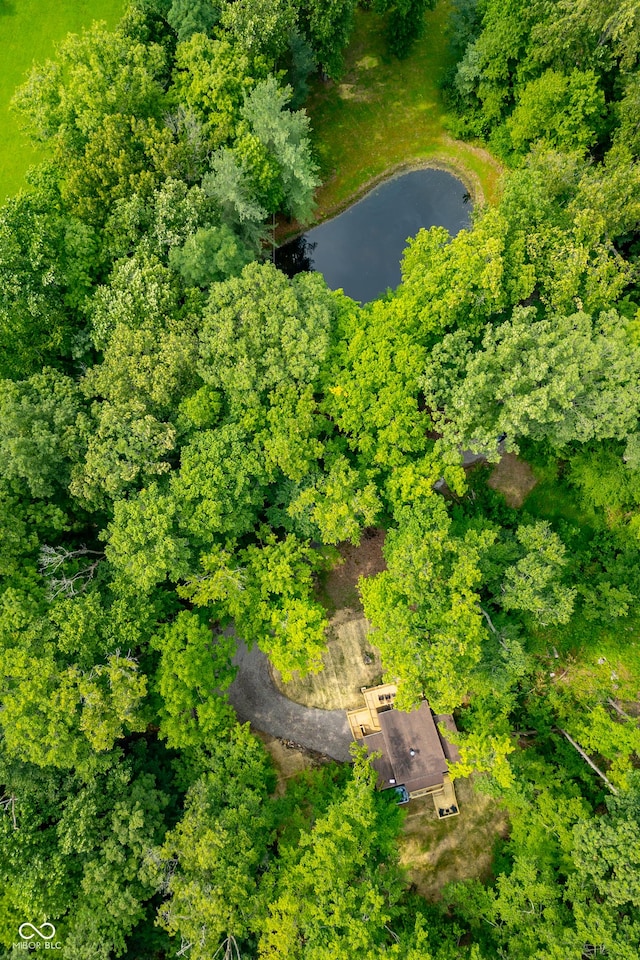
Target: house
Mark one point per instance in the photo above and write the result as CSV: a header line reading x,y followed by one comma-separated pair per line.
x,y
412,754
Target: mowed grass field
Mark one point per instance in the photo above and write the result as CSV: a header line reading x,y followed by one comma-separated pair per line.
x,y
386,113
30,31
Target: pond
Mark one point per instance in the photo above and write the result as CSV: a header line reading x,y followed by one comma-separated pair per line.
x,y
360,249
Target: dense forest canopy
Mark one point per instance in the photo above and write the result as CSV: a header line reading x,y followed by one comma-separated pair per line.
x,y
186,435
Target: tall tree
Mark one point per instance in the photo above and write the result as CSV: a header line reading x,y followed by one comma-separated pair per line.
x,y
43,429
195,667
425,608
261,27
85,843
286,136
210,864
570,378
533,582
328,25
47,259
187,17
339,892
405,22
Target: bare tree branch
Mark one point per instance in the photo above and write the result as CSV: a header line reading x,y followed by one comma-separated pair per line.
x,y
9,803
53,559
584,756
618,709
493,629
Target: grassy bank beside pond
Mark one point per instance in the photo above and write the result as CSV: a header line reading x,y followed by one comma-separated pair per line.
x,y
30,30
387,114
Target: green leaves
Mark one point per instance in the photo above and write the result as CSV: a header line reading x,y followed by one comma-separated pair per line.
x,y
328,25
220,486
562,379
532,584
340,889
209,865
195,668
43,431
371,383
210,79
97,72
262,331
425,608
261,27
69,692
106,829
405,22
285,136
268,591
565,111
223,424
99,107
339,504
606,853
209,255
187,17
47,263
145,546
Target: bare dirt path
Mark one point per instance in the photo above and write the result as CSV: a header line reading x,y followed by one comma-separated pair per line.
x,y
255,697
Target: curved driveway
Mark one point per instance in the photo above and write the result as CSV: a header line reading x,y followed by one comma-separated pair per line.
x,y
255,697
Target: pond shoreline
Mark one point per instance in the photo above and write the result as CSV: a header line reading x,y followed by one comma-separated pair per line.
x,y
359,249
285,232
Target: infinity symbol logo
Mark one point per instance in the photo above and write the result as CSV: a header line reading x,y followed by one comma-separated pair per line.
x,y
39,931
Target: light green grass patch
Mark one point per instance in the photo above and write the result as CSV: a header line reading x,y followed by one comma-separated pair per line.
x,y
388,113
30,31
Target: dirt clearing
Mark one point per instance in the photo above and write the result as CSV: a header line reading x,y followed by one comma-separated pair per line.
x,y
288,758
513,478
340,586
436,852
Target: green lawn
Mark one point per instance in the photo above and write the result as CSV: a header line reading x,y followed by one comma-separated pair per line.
x,y
386,113
30,31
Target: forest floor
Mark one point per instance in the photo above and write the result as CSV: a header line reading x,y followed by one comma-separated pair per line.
x,y
513,478
593,658
30,30
289,759
597,659
388,114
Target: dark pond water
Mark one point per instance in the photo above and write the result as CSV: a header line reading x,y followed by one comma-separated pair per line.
x,y
360,249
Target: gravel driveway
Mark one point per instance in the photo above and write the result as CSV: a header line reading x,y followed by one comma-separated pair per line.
x,y
256,698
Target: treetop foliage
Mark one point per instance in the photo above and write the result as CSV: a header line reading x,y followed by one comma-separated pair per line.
x,y
186,434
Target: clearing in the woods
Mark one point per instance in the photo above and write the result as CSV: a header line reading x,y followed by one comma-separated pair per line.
x,y
434,852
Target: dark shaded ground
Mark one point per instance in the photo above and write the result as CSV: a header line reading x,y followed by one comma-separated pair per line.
x,y
255,697
365,560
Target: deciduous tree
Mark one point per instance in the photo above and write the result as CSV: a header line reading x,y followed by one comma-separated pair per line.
x,y
209,865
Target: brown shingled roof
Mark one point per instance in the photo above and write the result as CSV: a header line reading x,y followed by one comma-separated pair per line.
x,y
451,751
412,749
